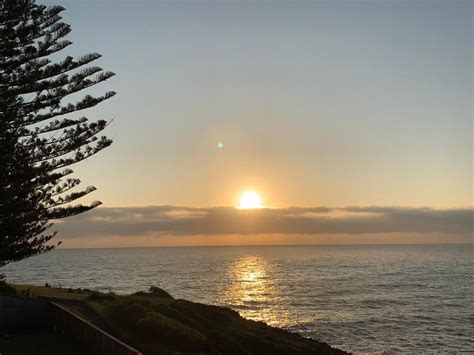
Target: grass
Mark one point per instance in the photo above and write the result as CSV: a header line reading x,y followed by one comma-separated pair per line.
x,y
53,292
155,322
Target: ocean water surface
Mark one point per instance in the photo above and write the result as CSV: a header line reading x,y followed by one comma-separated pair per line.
x,y
363,299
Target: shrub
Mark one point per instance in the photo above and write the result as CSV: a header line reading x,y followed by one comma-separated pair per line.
x,y
155,292
154,326
6,288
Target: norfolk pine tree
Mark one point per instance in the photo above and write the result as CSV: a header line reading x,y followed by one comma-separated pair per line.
x,y
39,137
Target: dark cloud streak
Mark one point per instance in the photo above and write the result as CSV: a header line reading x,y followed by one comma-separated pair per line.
x,y
156,220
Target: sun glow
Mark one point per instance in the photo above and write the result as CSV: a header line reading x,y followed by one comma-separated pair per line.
x,y
250,199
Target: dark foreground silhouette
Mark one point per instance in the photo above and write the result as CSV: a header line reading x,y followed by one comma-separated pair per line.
x,y
156,323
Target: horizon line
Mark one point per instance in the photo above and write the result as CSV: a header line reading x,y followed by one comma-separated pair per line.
x,y
260,245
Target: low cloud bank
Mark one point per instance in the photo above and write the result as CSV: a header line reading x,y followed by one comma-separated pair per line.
x,y
172,220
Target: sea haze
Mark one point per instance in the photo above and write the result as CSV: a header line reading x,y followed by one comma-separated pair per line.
x,y
373,298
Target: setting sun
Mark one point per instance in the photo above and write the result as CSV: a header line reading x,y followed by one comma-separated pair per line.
x,y
250,199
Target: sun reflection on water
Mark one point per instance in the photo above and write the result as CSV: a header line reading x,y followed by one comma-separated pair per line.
x,y
252,291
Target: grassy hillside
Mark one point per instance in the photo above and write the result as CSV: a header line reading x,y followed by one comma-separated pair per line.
x,y
156,323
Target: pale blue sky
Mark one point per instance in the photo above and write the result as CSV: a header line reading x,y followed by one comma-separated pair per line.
x,y
318,103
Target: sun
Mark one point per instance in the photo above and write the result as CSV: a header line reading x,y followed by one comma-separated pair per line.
x,y
250,199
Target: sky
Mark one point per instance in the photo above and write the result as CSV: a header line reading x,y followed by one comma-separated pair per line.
x,y
317,103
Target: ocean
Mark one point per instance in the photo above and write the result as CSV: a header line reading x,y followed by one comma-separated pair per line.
x,y
363,299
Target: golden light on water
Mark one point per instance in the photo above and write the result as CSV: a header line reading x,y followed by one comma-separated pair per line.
x,y
250,281
253,291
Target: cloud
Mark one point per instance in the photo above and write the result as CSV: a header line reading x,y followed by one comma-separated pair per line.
x,y
171,220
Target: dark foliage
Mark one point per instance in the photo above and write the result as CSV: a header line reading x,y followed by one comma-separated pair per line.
x,y
39,137
154,291
156,323
6,288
